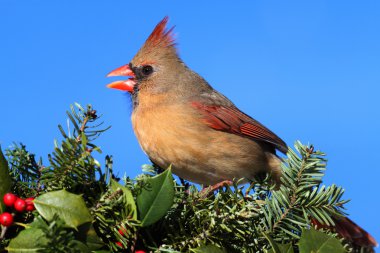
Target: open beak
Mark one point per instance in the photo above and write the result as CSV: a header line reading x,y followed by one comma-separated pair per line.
x,y
124,85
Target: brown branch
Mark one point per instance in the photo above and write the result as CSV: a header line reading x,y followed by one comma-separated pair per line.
x,y
82,127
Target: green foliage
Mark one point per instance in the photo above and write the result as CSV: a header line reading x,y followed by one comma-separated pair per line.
x,y
311,241
24,170
72,165
129,202
115,210
82,207
300,197
207,249
67,206
281,248
29,240
51,237
155,198
315,241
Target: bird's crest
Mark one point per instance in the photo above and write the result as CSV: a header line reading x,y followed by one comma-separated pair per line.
x,y
161,37
160,42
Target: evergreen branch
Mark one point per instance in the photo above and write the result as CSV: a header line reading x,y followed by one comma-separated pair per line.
x,y
300,197
25,170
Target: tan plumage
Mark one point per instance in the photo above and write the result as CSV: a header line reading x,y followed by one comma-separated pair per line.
x,y
180,120
197,152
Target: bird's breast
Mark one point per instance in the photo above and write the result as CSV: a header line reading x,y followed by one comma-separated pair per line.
x,y
176,135
164,131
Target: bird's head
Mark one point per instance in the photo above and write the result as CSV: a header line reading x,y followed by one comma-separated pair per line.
x,y
149,66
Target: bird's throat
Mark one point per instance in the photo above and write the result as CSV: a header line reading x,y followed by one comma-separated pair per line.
x,y
135,95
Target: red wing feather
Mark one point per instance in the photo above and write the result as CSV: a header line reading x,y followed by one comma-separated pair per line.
x,y
232,120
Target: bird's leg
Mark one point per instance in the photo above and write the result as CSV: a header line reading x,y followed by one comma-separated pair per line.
x,y
157,168
211,188
184,183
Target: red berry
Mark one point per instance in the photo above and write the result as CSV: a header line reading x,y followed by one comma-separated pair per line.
x,y
140,251
122,231
6,219
29,204
29,208
119,244
9,199
29,201
20,205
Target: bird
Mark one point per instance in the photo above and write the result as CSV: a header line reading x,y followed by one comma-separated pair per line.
x,y
180,120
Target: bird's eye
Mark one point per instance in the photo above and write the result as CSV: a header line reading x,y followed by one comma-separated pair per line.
x,y
147,70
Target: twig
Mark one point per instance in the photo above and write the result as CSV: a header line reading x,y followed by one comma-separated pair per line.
x,y
82,127
3,231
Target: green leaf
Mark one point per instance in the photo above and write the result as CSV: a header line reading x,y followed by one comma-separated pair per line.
x,y
88,236
28,240
128,198
278,248
69,207
156,197
318,242
79,247
282,248
208,249
5,180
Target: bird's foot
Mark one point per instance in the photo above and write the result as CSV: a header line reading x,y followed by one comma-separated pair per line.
x,y
157,168
209,189
184,183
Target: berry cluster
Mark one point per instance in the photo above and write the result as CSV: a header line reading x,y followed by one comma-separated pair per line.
x,y
18,204
122,232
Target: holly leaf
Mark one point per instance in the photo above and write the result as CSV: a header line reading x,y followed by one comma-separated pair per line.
x,y
128,198
319,242
5,180
28,241
88,236
208,249
33,239
155,198
281,248
80,247
276,247
71,208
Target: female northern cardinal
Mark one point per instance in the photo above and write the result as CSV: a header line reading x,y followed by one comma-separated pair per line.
x,y
179,119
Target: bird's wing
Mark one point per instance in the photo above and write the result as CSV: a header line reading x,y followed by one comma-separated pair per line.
x,y
229,118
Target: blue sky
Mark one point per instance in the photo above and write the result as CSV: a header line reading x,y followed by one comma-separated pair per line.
x,y
308,70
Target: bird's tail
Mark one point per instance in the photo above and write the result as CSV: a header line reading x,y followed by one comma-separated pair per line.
x,y
351,232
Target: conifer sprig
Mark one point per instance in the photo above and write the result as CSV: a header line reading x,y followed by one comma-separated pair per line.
x,y
301,196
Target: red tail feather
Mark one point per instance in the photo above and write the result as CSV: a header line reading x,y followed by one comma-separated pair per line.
x,y
350,231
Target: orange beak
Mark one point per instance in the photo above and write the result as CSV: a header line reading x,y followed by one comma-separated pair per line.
x,y
124,85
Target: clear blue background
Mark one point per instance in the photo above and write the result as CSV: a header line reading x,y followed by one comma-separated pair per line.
x,y
309,70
